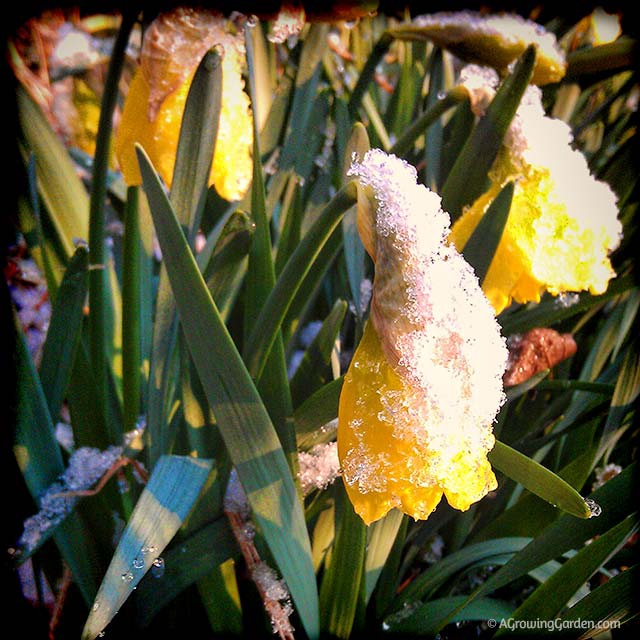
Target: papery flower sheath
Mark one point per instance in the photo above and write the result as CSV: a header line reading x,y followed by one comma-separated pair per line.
x,y
173,45
563,222
424,385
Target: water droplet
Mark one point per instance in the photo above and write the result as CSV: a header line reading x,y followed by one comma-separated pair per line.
x,y
127,576
150,549
350,24
102,634
252,21
157,570
385,626
138,563
442,95
594,508
96,606
219,49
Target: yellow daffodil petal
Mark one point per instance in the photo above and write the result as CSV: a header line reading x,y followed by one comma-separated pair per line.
x,y
232,165
563,222
385,450
425,382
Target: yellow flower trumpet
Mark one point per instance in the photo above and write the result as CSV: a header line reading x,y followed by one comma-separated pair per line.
x,y
424,385
173,45
563,222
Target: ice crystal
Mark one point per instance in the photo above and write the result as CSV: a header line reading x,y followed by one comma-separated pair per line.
x,y
319,467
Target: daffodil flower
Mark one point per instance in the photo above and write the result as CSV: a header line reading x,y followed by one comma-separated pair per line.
x,y
563,222
496,40
424,386
173,45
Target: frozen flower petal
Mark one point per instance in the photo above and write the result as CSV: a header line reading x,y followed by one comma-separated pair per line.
x,y
156,99
495,40
563,222
425,384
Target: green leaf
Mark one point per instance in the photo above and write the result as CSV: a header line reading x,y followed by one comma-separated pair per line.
x,y
548,312
468,177
131,313
433,577
313,372
382,535
368,72
427,118
615,601
315,413
354,252
420,619
340,588
625,394
191,174
615,497
196,143
271,381
62,191
185,563
64,330
483,242
245,425
548,600
221,600
539,480
99,288
39,458
171,492
269,321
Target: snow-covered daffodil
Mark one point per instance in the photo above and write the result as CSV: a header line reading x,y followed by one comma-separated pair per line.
x,y
424,386
173,45
563,222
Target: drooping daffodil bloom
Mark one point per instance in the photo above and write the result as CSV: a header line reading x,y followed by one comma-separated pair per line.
x,y
173,45
563,222
424,385
496,40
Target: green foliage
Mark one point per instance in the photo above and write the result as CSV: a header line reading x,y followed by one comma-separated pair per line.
x,y
197,347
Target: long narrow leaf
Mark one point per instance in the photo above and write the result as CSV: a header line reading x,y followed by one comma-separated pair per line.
x,y
277,304
170,494
64,331
548,600
483,242
244,423
539,480
468,177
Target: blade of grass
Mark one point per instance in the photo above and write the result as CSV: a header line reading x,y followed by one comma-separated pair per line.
x,y
40,461
317,411
354,253
382,535
271,381
313,370
340,588
171,492
64,331
615,601
191,173
269,321
98,283
548,600
131,313
468,177
62,191
245,425
185,563
539,480
420,619
483,242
